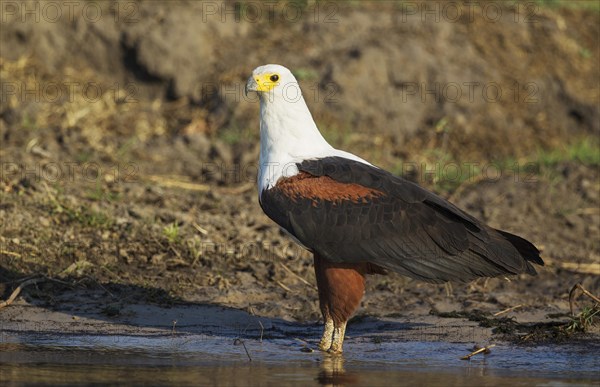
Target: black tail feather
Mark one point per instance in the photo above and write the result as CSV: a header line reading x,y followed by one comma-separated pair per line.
x,y
524,247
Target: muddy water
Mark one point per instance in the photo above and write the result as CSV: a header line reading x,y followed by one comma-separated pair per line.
x,y
56,359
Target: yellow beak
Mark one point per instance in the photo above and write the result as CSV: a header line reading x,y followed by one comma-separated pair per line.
x,y
251,85
260,83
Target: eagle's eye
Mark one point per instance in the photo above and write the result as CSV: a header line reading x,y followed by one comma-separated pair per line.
x,y
274,78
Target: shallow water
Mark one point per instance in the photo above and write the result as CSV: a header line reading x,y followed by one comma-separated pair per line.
x,y
184,359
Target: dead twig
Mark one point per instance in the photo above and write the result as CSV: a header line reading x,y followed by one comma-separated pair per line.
x,y
175,251
484,350
297,276
24,278
200,229
18,290
100,285
262,330
59,281
588,211
583,268
6,252
303,342
507,310
283,286
573,297
448,288
262,327
236,190
305,346
241,342
58,206
172,183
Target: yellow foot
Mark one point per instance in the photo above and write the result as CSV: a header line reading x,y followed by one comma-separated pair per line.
x,y
333,337
325,342
338,339
324,346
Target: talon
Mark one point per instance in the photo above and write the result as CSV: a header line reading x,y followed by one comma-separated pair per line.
x,y
335,349
324,346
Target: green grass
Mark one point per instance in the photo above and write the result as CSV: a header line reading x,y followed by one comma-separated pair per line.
x,y
585,53
87,217
585,151
83,215
593,5
171,232
29,123
99,193
584,320
444,173
338,137
305,74
125,148
236,134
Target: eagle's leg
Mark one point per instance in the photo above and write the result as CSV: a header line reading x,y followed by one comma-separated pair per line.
x,y
338,338
341,288
325,342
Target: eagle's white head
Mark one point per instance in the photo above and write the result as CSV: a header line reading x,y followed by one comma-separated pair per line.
x,y
288,133
282,106
273,81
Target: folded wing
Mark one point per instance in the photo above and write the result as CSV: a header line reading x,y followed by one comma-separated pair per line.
x,y
348,211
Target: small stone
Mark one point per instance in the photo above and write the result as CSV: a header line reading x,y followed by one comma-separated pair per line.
x,y
122,221
157,259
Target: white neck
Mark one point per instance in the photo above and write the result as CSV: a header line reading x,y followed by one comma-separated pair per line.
x,y
288,134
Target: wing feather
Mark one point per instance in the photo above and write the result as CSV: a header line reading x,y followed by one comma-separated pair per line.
x,y
348,211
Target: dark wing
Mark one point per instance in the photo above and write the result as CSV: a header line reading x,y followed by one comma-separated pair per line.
x,y
348,211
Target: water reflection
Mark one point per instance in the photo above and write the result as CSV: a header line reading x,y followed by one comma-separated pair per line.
x,y
332,372
191,360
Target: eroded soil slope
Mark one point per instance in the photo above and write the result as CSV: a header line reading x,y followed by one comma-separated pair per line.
x,y
145,190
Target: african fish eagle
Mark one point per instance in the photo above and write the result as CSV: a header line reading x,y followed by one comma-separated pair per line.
x,y
358,219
